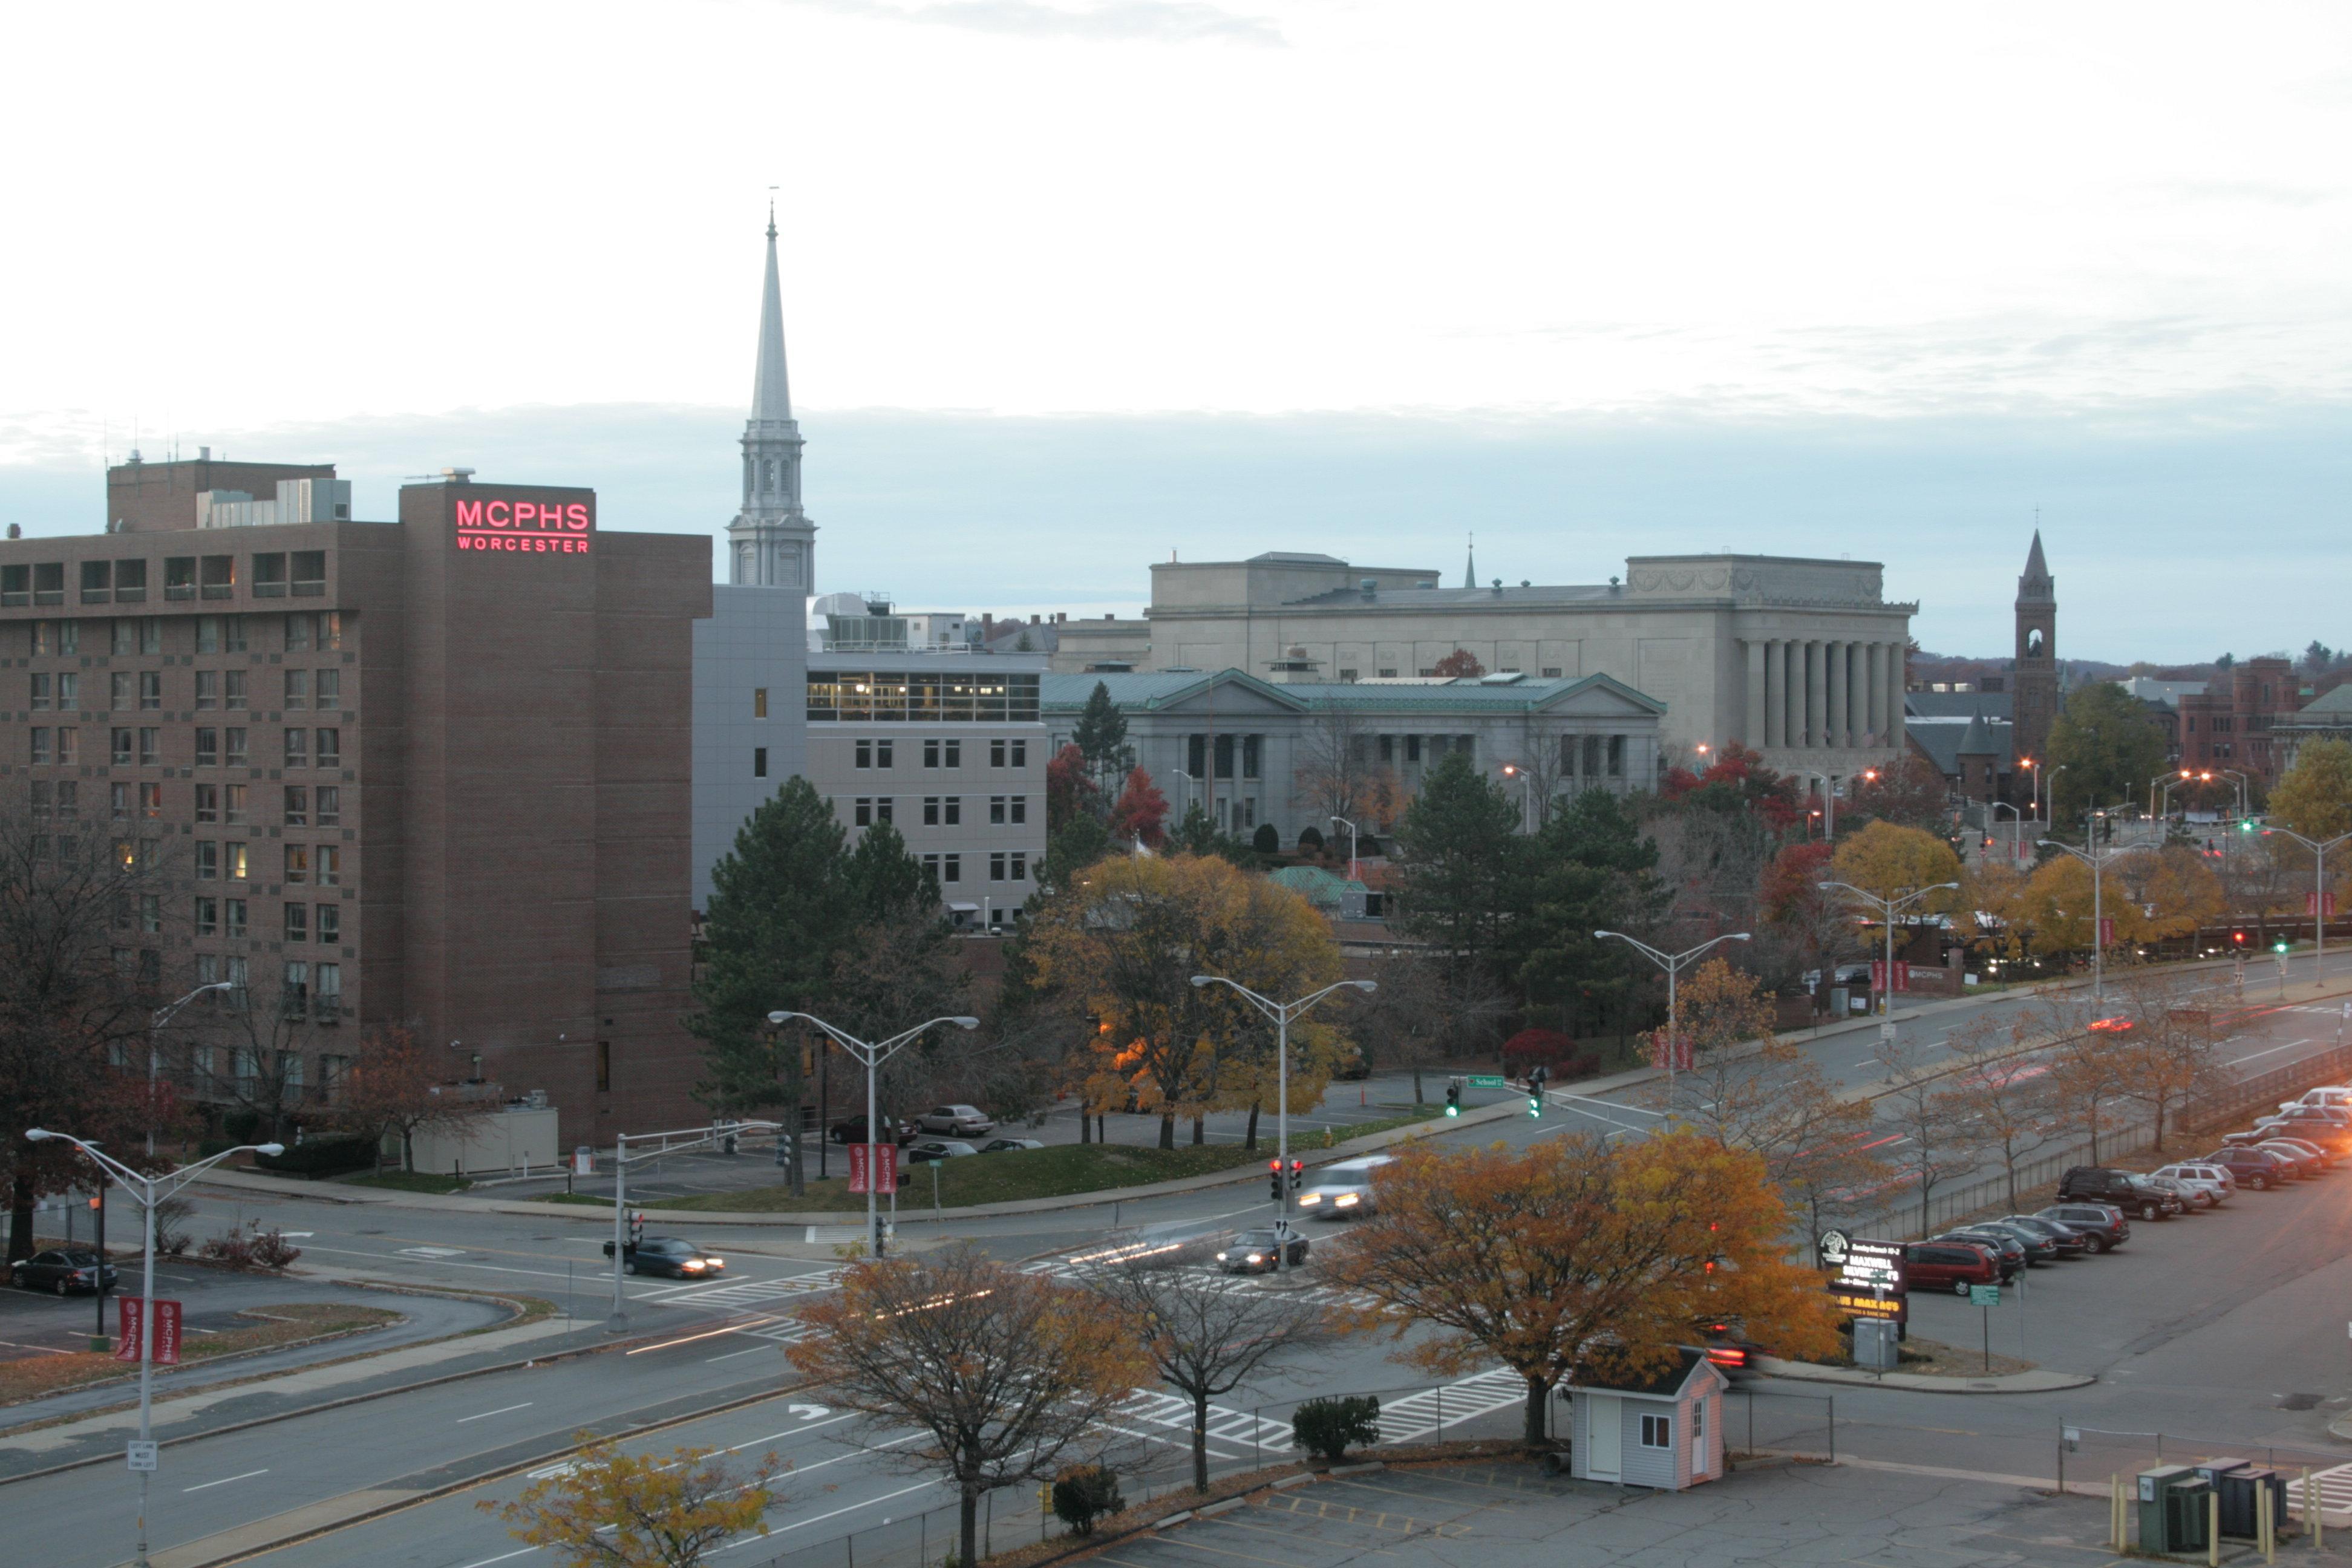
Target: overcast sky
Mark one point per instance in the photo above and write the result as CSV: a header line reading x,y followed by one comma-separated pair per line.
x,y
1073,284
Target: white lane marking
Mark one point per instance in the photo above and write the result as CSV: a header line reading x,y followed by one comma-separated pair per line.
x,y
224,1481
820,1519
433,1251
731,1355
2250,1056
502,1557
298,1235
45,1350
795,1432
503,1410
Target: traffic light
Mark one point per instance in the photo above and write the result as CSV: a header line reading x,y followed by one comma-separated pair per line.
x,y
1298,1172
1274,1179
2247,826
2239,937
637,1227
1535,1106
2279,946
1452,1099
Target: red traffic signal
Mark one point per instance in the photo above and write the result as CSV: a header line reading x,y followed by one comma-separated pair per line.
x,y
1275,1166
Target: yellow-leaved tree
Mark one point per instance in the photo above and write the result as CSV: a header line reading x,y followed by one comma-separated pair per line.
x,y
1122,946
1575,1251
609,1508
2315,797
1887,861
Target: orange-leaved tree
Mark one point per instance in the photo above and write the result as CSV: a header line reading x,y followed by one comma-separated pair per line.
x,y
1006,1373
610,1508
1572,1251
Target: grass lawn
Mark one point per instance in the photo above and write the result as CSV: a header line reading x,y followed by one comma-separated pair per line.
x,y
1061,1170
410,1182
271,1326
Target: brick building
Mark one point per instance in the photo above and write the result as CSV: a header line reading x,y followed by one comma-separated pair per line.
x,y
2230,724
431,773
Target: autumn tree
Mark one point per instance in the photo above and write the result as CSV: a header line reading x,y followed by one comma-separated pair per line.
x,y
1070,791
2173,891
1009,1375
2089,1079
1202,1343
2109,747
1929,1116
1908,793
1337,773
2170,1055
609,1508
1570,1251
2315,797
396,1086
1887,861
2000,1090
1140,813
1459,665
1123,945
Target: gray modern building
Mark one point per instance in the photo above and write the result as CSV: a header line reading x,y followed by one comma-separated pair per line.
x,y
1250,751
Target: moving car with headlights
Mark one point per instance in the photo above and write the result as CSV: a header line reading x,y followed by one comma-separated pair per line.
x,y
670,1254
1254,1251
64,1269
1343,1190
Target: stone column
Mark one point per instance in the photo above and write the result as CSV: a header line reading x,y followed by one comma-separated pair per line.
x,y
1751,723
1895,696
1776,692
1839,736
1816,693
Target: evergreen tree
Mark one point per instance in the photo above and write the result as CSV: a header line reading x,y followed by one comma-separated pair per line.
x,y
1071,848
1462,861
1196,835
2109,747
883,883
1100,736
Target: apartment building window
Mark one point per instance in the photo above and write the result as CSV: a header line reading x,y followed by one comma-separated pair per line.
x,y
330,865
208,689
179,577
68,746
861,812
49,583
297,805
1008,753
234,747
309,573
151,913
298,748
329,803
943,811
298,690
233,688
298,864
996,866
931,864
57,636
996,811
882,808
216,576
234,866
150,690
40,744
942,753
41,686
329,980
208,803
207,917
294,990
129,582
759,702
68,692
69,800
125,637
150,635
950,868
758,762
233,917
330,748
269,575
298,632
207,748
121,747
150,800
117,691
118,801
864,753
298,922
330,688
44,799
329,923
232,803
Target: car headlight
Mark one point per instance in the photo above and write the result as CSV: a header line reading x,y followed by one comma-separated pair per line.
x,y
1345,1201
1256,1258
692,1263
716,1262
1308,1200
1220,1258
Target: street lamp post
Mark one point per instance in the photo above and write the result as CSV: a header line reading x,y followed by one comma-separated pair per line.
x,y
1673,964
155,1022
2318,894
873,1056
2097,861
1282,1013
2045,789
1888,907
2244,808
1828,802
150,1191
1527,798
1354,874
2015,819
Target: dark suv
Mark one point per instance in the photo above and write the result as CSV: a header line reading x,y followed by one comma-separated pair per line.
x,y
2256,1168
2133,1195
2103,1227
1951,1266
2006,1247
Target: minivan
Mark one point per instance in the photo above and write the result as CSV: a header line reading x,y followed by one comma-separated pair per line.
x,y
1952,1266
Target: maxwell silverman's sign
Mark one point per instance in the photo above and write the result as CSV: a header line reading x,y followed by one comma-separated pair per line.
x,y
521,525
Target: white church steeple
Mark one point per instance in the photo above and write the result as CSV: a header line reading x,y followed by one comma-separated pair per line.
x,y
770,543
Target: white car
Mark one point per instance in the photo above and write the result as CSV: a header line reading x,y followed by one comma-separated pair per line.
x,y
2340,1098
1343,1190
2212,1185
956,1120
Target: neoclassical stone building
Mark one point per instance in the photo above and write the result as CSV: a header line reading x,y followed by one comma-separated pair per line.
x,y
1800,659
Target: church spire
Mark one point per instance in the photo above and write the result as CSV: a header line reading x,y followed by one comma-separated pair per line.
x,y
2035,587
770,541
1470,566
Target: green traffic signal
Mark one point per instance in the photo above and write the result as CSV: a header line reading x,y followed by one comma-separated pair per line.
x,y
1535,1106
2278,947
1452,1109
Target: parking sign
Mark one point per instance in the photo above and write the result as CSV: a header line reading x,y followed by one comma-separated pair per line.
x,y
1984,1295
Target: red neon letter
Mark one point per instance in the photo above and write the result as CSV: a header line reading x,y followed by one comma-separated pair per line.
x,y
576,514
492,511
469,514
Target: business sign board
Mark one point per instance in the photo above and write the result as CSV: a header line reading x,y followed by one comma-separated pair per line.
x,y
1869,1304
1862,1264
524,525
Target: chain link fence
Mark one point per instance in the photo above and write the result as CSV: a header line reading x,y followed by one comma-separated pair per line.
x,y
2088,1458
1770,1422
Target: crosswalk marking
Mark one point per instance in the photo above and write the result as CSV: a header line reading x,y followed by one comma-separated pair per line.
x,y
1423,1415
743,1293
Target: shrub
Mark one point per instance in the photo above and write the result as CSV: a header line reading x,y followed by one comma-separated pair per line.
x,y
1266,840
1310,840
242,1127
1325,1427
1545,1047
260,1249
171,1217
321,1157
1085,1493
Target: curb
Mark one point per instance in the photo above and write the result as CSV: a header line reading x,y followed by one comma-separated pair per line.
x,y
2035,1381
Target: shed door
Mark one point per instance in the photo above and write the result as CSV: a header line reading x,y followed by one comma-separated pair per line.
x,y
1604,1438
1699,1437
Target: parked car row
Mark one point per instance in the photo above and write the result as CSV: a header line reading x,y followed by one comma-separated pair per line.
x,y
2305,1137
952,1124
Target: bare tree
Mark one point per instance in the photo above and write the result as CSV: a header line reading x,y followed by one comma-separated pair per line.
x,y
1007,1372
2172,1050
1426,1013
395,1086
2002,1091
1205,1342
1339,774
1938,1141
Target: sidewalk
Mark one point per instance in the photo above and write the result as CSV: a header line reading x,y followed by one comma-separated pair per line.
x,y
2039,1381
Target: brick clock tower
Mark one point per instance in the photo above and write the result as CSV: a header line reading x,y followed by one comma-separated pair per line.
x,y
2034,706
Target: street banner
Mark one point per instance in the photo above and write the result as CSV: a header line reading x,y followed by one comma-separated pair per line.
x,y
1664,1055
1902,974
167,1331
2106,933
874,1167
2314,903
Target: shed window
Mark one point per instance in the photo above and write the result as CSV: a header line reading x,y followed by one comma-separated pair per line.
x,y
1657,1431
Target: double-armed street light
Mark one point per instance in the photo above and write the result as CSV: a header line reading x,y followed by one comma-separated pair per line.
x,y
1887,908
2319,850
1674,964
155,1022
150,1191
1282,1013
873,1055
2097,860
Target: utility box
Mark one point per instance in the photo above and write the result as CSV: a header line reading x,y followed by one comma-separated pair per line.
x,y
2173,1499
1876,1343
2242,1491
2237,1496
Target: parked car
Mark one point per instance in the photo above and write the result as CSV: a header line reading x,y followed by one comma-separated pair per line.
x,y
958,1120
2007,1250
2064,1239
64,1269
2257,1168
2191,1200
2214,1182
1951,1266
2333,1094
2131,1193
1343,1189
2336,1141
670,1254
2103,1225
2310,1160
928,1149
852,1129
1005,1145
1254,1251
2038,1247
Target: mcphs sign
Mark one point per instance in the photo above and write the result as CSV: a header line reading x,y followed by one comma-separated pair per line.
x,y
517,526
